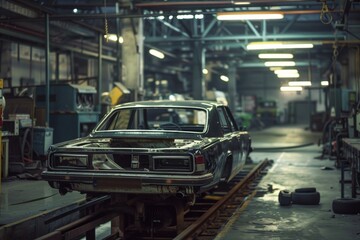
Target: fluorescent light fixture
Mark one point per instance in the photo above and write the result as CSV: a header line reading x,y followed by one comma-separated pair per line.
x,y
190,16
114,38
290,89
300,83
277,45
275,55
283,71
324,83
280,64
275,68
233,16
224,78
242,3
288,75
156,53
205,71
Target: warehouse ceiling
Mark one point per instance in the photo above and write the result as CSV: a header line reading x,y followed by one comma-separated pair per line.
x,y
173,27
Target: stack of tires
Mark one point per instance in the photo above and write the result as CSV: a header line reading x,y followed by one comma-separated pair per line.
x,y
309,196
301,196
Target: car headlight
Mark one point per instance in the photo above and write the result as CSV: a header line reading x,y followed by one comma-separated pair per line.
x,y
69,161
176,163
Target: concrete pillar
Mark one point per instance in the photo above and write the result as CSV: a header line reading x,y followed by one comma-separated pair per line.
x,y
232,93
353,73
47,69
133,56
198,83
100,72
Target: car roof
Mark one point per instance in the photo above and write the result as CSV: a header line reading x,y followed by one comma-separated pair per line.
x,y
170,103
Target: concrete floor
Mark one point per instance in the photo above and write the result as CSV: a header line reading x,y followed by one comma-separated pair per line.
x,y
21,199
263,218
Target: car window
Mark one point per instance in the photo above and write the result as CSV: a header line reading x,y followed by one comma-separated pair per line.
x,y
227,122
178,119
223,122
117,120
230,118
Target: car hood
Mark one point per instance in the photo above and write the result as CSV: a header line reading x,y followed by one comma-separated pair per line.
x,y
151,142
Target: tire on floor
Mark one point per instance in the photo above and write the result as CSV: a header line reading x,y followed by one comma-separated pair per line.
x,y
306,198
346,206
305,190
284,198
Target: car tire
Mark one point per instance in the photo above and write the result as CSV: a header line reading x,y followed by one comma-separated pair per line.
x,y
306,198
305,190
346,206
284,198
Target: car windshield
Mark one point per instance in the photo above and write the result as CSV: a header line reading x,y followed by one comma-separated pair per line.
x,y
159,118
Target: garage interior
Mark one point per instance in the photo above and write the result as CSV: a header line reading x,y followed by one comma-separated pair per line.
x,y
64,64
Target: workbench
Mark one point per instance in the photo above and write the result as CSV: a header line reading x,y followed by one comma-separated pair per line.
x,y
351,156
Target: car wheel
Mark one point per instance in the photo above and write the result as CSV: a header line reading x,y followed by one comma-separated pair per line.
x,y
284,198
305,190
306,198
346,206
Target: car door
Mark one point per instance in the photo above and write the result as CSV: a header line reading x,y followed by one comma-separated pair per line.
x,y
231,134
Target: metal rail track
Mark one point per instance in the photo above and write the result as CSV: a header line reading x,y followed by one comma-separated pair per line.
x,y
204,220
208,224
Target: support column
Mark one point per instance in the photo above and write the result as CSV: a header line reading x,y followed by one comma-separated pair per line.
x,y
47,70
198,83
100,72
133,56
232,93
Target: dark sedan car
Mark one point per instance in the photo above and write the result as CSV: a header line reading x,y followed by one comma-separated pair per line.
x,y
152,147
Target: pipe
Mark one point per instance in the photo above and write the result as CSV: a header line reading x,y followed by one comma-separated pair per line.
x,y
202,3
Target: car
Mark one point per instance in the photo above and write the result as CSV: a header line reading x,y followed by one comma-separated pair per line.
x,y
157,147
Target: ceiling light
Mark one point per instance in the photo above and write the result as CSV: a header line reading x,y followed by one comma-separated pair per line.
x,y
114,38
275,68
275,55
324,83
224,78
277,45
233,16
288,75
280,64
284,71
290,89
156,53
300,83
242,3
190,16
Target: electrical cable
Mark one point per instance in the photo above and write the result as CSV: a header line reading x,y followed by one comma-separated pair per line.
x,y
106,23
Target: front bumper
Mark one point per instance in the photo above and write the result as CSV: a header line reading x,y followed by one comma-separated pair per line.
x,y
126,182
